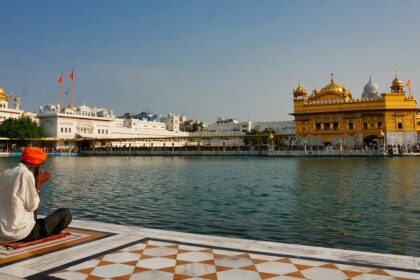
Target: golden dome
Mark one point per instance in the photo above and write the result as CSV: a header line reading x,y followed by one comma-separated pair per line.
x,y
346,91
332,88
332,91
299,90
314,94
397,85
397,82
2,96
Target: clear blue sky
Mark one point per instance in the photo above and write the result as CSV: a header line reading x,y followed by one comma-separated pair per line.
x,y
204,58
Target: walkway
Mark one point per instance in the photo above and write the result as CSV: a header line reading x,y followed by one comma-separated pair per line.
x,y
98,250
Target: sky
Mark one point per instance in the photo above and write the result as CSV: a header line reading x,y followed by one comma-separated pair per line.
x,y
203,58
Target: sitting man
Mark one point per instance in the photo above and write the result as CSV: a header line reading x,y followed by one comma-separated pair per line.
x,y
19,199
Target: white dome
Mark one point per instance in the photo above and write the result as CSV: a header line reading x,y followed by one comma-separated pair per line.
x,y
84,107
370,90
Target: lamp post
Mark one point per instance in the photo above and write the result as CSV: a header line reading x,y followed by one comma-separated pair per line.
x,y
355,142
383,140
271,142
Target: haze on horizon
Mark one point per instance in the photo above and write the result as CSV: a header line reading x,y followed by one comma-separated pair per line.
x,y
236,59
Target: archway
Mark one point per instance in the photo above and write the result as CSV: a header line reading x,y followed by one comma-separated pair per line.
x,y
371,141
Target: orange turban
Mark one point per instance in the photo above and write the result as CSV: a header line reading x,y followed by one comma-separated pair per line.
x,y
33,155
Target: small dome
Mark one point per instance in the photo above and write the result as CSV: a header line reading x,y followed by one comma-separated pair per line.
x,y
299,90
397,82
84,107
370,90
397,85
2,96
346,92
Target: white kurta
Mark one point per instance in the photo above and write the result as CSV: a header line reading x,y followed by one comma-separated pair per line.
x,y
18,201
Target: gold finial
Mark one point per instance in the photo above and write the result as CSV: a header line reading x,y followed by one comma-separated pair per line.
x,y
332,73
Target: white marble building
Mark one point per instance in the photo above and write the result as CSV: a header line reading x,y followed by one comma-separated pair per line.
x,y
228,127
84,122
232,127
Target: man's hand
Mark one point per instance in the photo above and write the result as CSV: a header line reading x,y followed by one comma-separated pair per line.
x,y
42,177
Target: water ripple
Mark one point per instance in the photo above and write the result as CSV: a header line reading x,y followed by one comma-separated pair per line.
x,y
353,203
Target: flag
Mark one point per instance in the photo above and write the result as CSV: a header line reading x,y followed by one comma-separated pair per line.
x,y
408,84
60,80
71,76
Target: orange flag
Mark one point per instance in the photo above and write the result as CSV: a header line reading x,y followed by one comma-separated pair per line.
x,y
71,76
60,80
408,84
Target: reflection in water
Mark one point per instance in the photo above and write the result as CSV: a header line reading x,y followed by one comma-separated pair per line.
x,y
358,203
352,203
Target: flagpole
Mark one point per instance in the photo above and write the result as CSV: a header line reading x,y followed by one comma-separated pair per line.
x,y
72,89
72,93
61,97
408,84
61,92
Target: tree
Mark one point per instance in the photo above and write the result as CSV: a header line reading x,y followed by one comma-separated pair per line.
x,y
198,126
262,138
20,128
191,126
251,140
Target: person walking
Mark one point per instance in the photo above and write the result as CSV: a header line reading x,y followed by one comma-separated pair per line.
x,y
20,190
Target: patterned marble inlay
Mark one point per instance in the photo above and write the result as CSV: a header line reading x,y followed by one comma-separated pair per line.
x,y
151,259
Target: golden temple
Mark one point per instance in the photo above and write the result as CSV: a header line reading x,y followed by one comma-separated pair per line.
x,y
331,116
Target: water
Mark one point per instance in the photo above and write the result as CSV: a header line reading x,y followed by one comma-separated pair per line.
x,y
369,204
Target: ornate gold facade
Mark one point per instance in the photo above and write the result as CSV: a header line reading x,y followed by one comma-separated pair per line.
x,y
3,97
331,116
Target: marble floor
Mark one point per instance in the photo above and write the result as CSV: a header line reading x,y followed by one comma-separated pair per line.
x,y
105,251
